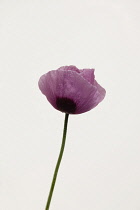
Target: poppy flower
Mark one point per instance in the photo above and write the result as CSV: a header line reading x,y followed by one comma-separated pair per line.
x,y
71,90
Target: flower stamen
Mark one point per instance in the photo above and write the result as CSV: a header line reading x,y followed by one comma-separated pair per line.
x,y
66,105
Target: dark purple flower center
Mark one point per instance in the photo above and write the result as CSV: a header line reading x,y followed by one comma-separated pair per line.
x,y
66,105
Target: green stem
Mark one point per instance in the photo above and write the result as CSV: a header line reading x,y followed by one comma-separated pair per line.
x,y
58,162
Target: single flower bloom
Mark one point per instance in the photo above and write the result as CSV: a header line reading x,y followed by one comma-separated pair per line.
x,y
71,90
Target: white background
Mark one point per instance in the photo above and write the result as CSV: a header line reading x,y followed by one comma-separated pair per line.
x,y
101,164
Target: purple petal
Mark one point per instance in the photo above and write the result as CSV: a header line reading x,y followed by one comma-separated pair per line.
x,y
70,68
88,74
71,89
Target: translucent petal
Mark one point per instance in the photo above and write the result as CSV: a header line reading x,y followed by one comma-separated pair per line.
x,y
70,84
